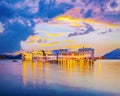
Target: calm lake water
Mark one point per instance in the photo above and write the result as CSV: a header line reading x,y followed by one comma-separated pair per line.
x,y
67,78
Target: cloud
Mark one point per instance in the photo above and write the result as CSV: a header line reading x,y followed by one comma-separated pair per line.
x,y
69,41
31,6
21,20
33,39
1,28
33,9
88,14
17,26
50,9
36,39
6,10
39,31
49,44
88,27
12,2
64,18
109,31
96,9
114,4
114,17
76,18
55,34
73,0
76,46
33,42
13,35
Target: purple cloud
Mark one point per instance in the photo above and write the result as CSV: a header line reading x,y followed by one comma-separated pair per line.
x,y
108,31
18,16
88,30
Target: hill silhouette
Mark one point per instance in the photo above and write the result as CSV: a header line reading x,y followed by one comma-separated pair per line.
x,y
115,54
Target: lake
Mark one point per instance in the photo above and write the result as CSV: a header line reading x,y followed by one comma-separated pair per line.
x,y
65,78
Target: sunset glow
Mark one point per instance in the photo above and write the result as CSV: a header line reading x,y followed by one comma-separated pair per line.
x,y
85,25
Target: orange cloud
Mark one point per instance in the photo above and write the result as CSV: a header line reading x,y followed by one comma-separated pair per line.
x,y
66,18
55,34
49,44
69,41
76,25
77,46
33,39
37,39
76,21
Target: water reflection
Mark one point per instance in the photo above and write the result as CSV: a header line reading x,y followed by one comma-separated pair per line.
x,y
39,72
99,68
98,75
65,76
34,71
82,66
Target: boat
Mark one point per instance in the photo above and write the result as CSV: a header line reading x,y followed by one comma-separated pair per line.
x,y
14,60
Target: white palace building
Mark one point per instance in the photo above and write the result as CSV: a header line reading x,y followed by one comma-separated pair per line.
x,y
82,53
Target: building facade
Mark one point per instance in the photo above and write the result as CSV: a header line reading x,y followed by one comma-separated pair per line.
x,y
82,53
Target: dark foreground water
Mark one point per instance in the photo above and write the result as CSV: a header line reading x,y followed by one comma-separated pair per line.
x,y
67,78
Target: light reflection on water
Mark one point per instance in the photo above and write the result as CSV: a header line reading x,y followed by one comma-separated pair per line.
x,y
99,75
25,76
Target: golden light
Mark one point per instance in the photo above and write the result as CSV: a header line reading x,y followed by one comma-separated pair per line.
x,y
49,44
56,34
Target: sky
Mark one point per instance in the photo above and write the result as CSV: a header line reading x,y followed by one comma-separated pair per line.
x,y
56,24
